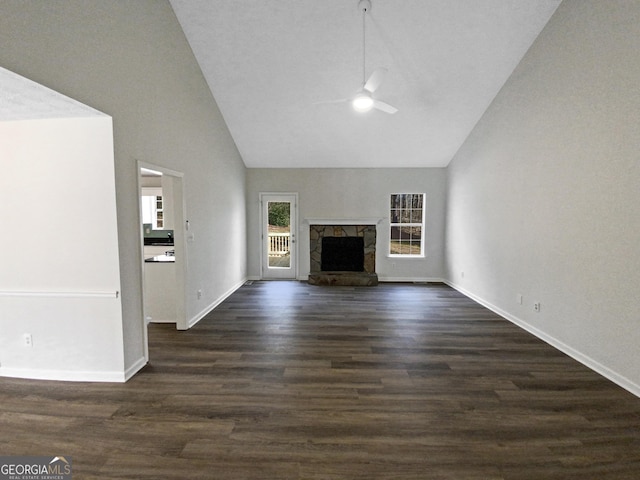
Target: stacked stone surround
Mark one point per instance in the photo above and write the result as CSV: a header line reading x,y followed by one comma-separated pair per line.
x,y
367,232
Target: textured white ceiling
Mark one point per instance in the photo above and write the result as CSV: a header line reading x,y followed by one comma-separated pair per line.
x,y
23,99
268,62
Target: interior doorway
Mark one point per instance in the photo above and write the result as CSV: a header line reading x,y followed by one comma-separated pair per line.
x,y
279,227
162,243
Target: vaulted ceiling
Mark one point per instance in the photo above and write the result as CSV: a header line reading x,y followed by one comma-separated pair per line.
x,y
272,66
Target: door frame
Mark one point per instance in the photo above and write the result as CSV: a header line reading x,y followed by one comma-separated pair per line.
x,y
291,197
179,239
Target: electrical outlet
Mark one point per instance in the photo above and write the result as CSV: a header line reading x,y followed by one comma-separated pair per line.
x,y
462,274
199,294
28,340
536,306
519,298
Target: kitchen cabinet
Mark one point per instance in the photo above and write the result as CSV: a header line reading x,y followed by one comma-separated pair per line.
x,y
160,292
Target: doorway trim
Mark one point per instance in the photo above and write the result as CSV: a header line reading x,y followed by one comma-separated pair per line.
x,y
291,197
179,239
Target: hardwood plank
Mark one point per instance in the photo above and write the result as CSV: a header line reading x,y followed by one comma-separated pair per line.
x,y
292,381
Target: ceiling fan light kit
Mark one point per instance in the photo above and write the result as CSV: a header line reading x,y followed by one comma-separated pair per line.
x,y
362,102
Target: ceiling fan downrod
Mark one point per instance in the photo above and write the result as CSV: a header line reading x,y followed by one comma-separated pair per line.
x,y
364,6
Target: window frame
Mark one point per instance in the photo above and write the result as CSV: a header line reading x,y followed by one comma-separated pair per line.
x,y
410,224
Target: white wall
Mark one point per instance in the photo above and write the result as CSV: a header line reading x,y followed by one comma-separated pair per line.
x,y
131,61
59,244
354,193
543,198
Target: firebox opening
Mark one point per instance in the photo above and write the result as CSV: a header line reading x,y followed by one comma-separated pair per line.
x,y
342,254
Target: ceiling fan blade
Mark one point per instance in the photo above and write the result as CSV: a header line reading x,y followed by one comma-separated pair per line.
x,y
384,107
327,102
375,79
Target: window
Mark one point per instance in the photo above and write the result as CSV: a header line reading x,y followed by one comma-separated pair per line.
x,y
407,224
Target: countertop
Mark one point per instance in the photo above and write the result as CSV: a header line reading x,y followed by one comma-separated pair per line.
x,y
158,241
161,259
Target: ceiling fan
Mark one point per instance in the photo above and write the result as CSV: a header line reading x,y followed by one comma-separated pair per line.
x,y
363,100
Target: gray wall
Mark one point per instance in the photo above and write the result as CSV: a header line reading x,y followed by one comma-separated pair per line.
x,y
130,60
335,193
543,198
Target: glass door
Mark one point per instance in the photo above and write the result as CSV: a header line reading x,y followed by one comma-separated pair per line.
x,y
279,235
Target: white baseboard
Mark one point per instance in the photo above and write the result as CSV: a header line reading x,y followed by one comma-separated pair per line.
x,y
587,361
213,305
63,375
73,375
410,279
135,368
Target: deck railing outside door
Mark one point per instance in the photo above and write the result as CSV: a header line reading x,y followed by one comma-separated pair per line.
x,y
278,244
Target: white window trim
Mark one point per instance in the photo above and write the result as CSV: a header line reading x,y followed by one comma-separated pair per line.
x,y
421,225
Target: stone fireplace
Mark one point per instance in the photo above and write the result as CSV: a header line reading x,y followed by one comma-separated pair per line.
x,y
342,254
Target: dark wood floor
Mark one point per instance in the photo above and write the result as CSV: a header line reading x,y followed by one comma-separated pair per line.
x,y
289,381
